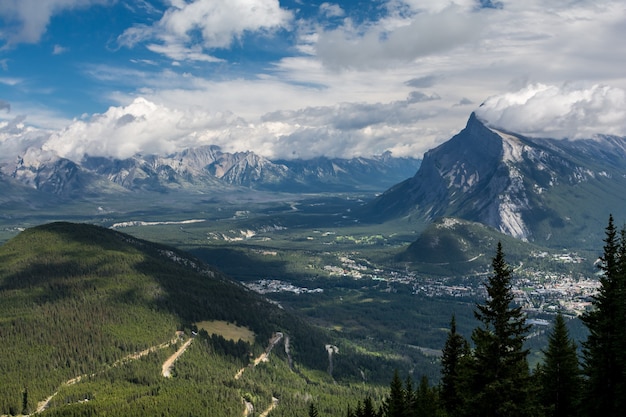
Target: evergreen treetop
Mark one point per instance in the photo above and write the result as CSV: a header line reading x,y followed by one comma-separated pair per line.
x,y
604,351
560,376
498,382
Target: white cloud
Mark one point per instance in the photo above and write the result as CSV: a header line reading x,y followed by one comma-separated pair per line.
x,y
404,82
58,50
187,30
16,138
331,10
25,21
143,126
568,111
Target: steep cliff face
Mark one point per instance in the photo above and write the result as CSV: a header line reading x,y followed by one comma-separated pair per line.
x,y
520,186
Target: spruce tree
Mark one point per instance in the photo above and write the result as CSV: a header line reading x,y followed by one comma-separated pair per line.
x,y
313,411
603,351
368,408
499,380
427,400
560,376
454,352
395,404
410,398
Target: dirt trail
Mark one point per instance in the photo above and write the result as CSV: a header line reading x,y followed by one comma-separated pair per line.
x,y
270,408
43,405
263,357
249,410
166,370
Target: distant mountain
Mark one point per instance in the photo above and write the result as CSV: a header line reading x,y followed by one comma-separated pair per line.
x,y
205,169
543,190
51,174
324,174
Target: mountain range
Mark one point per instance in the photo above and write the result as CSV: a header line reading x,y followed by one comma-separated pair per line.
x,y
206,168
541,190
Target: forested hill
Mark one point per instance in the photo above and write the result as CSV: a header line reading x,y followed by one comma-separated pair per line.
x,y
78,300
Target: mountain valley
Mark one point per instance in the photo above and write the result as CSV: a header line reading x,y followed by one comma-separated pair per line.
x,y
374,267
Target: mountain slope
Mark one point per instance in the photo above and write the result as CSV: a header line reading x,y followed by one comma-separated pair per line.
x,y
543,190
453,247
77,300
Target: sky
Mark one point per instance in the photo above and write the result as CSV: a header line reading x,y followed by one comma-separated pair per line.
x,y
300,79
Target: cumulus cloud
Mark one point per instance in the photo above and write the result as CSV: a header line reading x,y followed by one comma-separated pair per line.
x,y
331,10
569,111
16,138
187,30
25,21
344,130
5,105
140,127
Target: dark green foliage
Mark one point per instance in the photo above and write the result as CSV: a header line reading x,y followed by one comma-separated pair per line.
x,y
313,411
78,299
498,380
395,405
365,410
239,349
605,349
559,377
404,401
427,402
455,351
25,409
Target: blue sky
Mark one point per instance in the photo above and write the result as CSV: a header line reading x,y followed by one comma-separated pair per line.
x,y
303,78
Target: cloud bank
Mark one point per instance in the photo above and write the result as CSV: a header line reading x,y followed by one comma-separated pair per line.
x,y
343,130
568,111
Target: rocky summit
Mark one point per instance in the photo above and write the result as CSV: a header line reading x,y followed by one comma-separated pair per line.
x,y
532,189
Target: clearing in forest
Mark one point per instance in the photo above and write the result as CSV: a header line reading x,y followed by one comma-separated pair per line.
x,y
227,330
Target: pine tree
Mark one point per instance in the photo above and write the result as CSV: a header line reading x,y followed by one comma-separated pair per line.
x,y
603,351
499,380
427,400
395,404
25,409
410,398
313,410
454,351
560,376
368,408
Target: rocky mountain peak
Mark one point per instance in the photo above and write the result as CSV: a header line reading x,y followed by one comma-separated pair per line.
x,y
520,186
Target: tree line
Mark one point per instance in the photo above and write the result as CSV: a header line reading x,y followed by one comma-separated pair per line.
x,y
491,375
